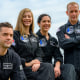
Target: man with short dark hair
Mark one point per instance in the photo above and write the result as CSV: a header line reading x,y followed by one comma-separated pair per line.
x,y
10,63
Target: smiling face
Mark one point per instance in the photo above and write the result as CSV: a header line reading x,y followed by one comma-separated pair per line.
x,y
73,13
27,19
6,37
45,24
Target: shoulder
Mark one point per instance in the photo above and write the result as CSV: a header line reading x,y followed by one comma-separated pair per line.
x,y
13,54
16,33
61,28
34,35
52,38
38,32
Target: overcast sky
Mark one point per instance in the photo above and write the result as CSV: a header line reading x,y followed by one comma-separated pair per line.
x,y
9,10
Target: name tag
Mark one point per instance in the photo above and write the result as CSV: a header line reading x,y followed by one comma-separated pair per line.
x,y
7,66
77,31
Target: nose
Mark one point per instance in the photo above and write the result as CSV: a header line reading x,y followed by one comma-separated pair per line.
x,y
74,13
47,22
26,17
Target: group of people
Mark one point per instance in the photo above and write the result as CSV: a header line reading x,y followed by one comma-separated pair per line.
x,y
25,55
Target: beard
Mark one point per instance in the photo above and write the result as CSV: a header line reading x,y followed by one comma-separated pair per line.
x,y
6,45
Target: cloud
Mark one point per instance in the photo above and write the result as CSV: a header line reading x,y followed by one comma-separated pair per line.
x,y
9,10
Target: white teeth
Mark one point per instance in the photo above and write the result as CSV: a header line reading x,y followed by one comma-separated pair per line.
x,y
46,26
26,21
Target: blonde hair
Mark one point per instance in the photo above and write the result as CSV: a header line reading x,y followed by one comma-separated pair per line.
x,y
72,3
20,26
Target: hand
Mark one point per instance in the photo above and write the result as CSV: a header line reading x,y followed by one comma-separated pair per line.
x,y
57,72
36,61
67,37
35,67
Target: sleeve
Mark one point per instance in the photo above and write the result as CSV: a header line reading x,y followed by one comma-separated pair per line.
x,y
56,53
18,73
63,42
15,46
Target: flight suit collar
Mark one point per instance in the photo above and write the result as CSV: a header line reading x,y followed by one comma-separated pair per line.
x,y
69,24
39,33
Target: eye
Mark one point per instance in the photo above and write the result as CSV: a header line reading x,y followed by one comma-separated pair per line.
x,y
76,11
11,35
71,11
5,34
49,21
29,16
43,21
24,16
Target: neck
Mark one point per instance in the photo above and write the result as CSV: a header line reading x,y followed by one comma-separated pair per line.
x,y
27,31
3,51
73,22
45,34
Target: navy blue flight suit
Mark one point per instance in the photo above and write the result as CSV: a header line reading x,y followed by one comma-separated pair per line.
x,y
28,49
70,46
51,50
10,66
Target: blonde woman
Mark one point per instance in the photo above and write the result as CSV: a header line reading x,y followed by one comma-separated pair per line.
x,y
26,44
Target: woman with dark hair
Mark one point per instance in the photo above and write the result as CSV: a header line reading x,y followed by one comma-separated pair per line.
x,y
50,49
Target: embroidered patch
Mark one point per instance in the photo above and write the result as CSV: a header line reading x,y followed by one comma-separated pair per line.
x,y
70,30
7,66
21,67
24,39
42,42
13,43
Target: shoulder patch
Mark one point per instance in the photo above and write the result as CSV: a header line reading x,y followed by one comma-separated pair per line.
x,y
21,67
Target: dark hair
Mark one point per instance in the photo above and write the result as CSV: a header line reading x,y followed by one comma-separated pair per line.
x,y
40,17
6,24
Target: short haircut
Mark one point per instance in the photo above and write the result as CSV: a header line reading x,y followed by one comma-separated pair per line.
x,y
72,3
41,16
6,24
